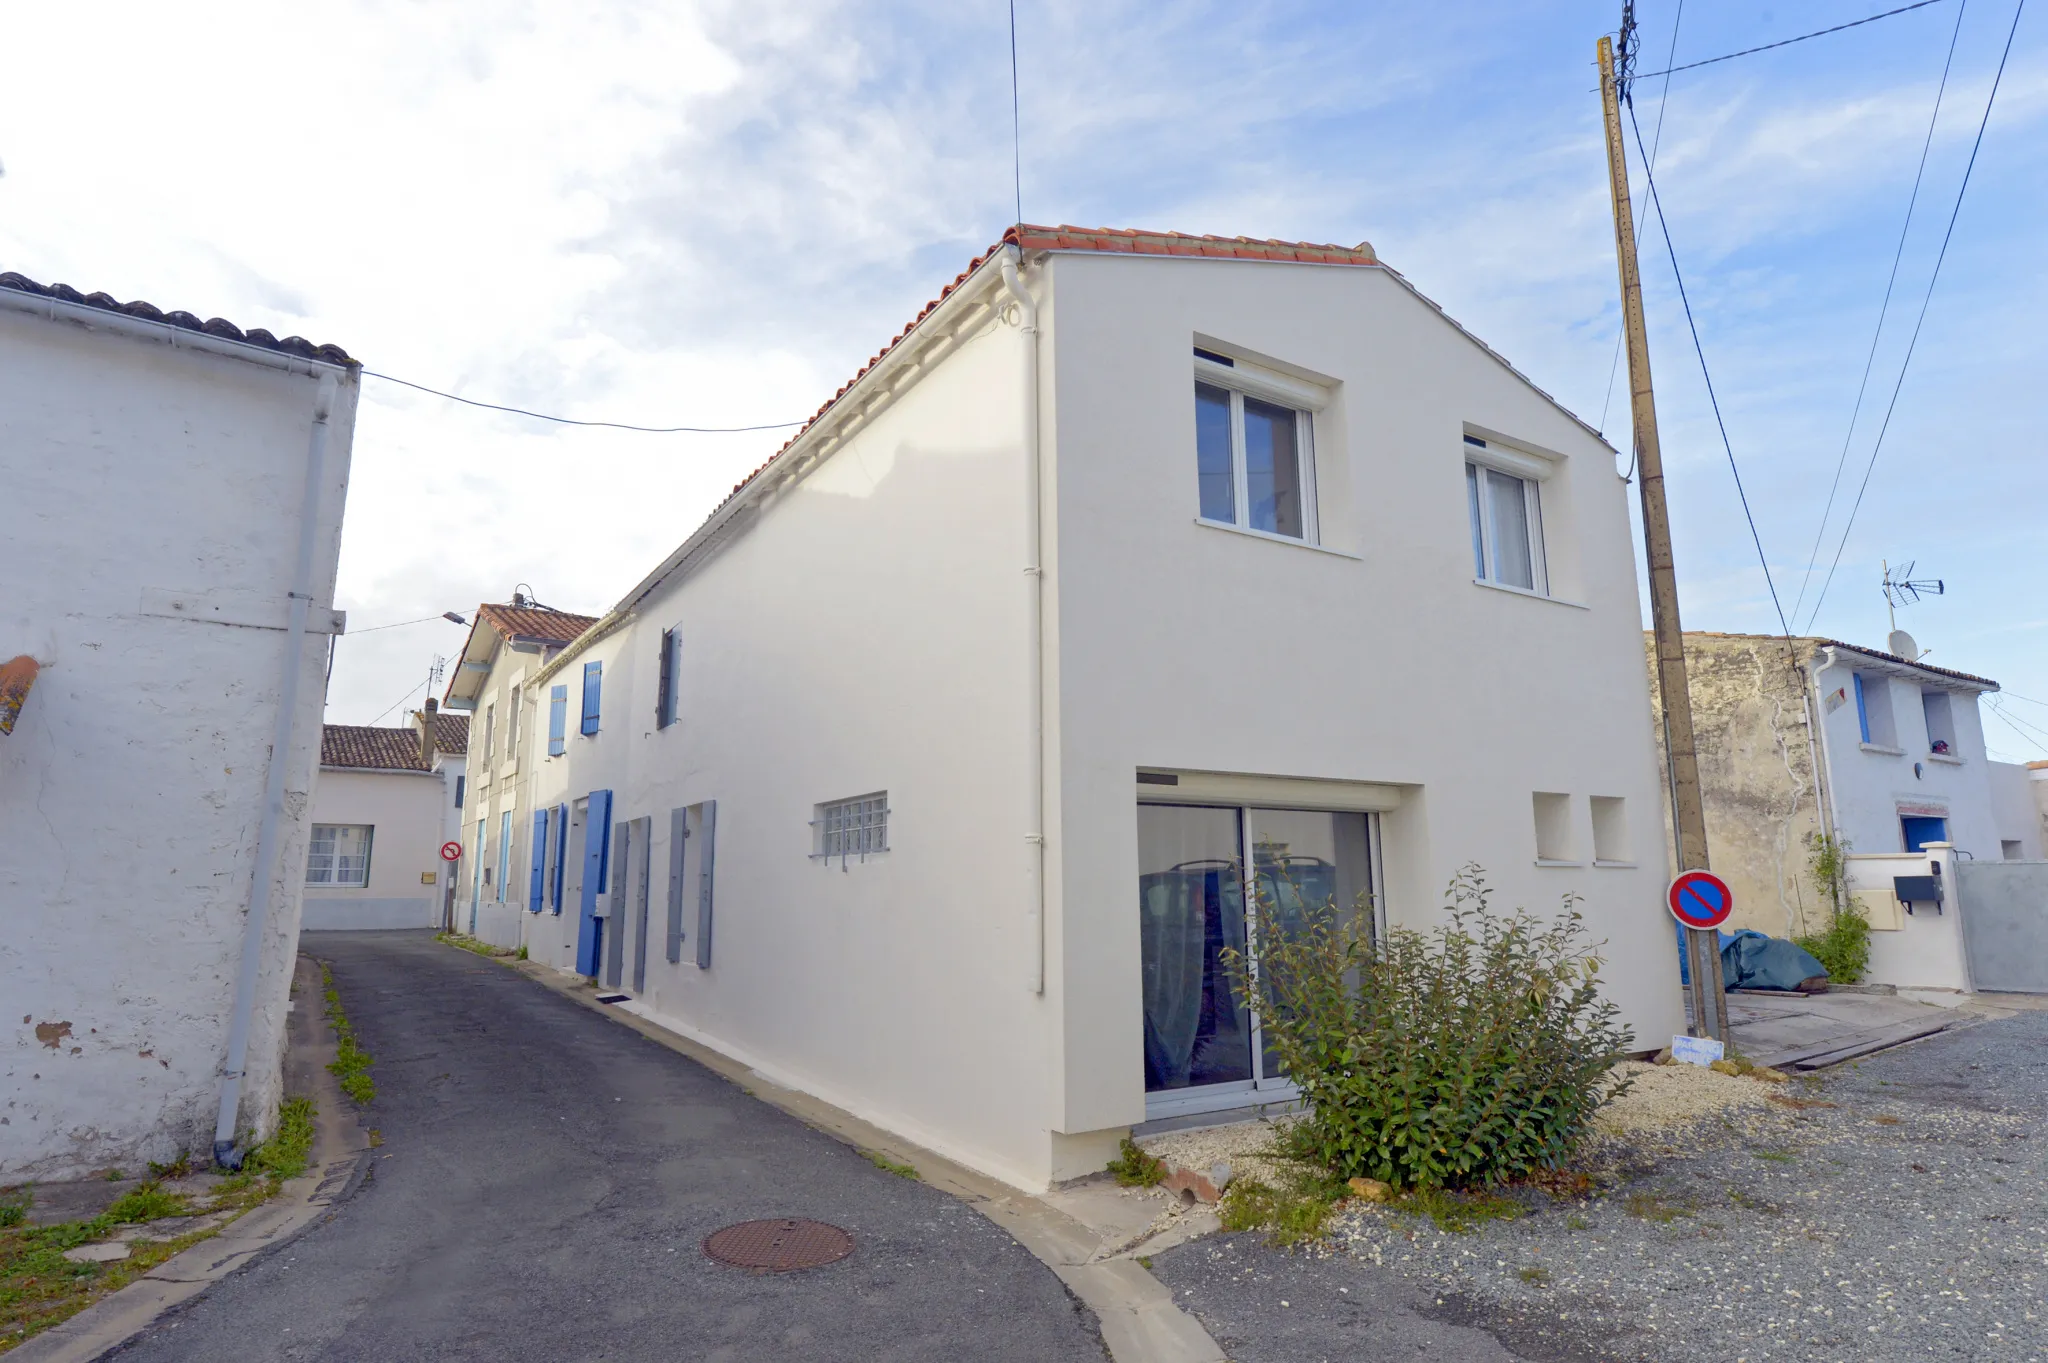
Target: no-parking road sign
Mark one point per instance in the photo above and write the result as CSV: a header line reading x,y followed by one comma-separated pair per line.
x,y
451,851
1700,899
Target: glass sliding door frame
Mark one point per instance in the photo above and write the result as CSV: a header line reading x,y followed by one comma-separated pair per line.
x,y
1262,1089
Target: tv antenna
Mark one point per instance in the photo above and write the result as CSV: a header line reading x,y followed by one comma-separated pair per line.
x,y
434,673
1901,588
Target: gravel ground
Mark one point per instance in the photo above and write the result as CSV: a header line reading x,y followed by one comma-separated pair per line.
x,y
1900,1211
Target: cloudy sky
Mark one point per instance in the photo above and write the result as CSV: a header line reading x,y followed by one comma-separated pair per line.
x,y
712,213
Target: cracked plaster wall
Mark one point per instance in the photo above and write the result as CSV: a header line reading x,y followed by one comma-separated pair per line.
x,y
132,788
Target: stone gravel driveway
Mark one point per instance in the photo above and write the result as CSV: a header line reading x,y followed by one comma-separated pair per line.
x,y
1901,1212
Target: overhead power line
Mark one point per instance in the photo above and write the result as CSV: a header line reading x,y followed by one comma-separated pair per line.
x,y
1820,531
1787,42
572,421
1699,350
1921,320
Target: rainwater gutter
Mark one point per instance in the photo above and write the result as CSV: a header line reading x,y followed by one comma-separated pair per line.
x,y
264,888
1034,578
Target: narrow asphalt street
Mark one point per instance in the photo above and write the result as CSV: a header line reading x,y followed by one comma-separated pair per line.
x,y
544,1187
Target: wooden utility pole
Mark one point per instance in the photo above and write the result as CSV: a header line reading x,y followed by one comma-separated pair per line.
x,y
1688,814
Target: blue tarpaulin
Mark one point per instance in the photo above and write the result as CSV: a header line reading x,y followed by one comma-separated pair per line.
x,y
1750,960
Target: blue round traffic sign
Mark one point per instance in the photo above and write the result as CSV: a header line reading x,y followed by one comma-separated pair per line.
x,y
1700,899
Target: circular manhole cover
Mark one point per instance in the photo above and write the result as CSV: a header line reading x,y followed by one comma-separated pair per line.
x,y
778,1246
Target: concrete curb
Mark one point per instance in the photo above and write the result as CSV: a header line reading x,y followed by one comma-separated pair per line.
x,y
1139,1319
332,1171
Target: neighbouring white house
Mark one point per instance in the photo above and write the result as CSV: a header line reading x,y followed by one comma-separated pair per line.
x,y
506,645
171,495
926,775
373,859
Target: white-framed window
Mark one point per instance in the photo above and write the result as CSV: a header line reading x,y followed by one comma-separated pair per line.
x,y
512,719
340,856
490,732
1255,462
856,828
1505,508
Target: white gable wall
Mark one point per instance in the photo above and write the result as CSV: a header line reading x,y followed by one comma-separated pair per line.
x,y
404,808
1184,646
132,787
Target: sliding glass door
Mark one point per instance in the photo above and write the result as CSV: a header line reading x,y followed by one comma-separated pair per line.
x,y
1203,1050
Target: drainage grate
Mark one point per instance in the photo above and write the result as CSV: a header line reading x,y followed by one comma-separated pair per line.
x,y
778,1246
613,998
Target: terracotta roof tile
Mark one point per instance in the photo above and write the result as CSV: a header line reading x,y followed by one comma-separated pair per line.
x,y
1908,662
357,745
213,326
451,732
528,622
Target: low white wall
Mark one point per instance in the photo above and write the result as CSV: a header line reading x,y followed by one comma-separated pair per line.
x,y
1926,950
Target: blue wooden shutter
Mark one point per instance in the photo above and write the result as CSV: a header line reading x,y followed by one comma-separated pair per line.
x,y
458,791
537,857
593,690
678,840
561,844
707,830
558,720
597,827
664,694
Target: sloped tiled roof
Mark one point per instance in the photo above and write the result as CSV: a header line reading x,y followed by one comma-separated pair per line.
x,y
527,622
357,745
212,326
451,732
1908,662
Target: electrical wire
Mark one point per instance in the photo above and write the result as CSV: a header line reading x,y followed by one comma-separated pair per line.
x,y
1016,121
1926,299
571,421
1787,42
1699,350
396,624
427,680
2014,725
1870,360
1656,142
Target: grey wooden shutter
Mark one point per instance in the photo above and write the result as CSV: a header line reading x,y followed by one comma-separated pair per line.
x,y
707,828
664,694
678,839
643,871
615,927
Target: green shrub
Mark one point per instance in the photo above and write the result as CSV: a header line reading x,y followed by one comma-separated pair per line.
x,y
1463,1057
1843,947
146,1202
1134,1168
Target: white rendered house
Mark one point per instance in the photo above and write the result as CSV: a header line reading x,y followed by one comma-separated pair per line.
x,y
379,816
171,517
924,775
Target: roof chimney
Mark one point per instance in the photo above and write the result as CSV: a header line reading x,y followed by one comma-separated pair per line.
x,y
427,731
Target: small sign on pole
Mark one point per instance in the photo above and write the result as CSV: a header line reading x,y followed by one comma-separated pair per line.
x,y
1700,900
451,851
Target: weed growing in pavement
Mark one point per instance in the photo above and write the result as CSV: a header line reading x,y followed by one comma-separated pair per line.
x,y
1751,1202
1459,1213
1290,1215
889,1166
146,1202
522,952
351,1064
1775,1156
1577,1222
177,1168
1653,1207
1465,1057
112,1175
1534,1276
39,1287
476,945
1134,1168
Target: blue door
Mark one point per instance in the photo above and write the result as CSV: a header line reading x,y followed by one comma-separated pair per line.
x,y
1920,831
597,827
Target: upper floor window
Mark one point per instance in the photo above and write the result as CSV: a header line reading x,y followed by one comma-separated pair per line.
x,y
666,692
1254,448
1505,510
1941,723
558,719
593,691
512,720
490,732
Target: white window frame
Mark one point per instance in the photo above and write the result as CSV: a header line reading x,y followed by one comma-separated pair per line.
x,y
1242,380
1486,459
324,868
851,829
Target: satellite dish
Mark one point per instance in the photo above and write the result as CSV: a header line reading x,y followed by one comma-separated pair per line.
x,y
1902,645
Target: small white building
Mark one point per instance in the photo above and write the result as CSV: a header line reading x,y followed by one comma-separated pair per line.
x,y
171,496
447,752
925,775
506,645
373,859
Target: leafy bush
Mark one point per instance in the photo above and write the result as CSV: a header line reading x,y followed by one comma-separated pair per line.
x,y
1844,948
1463,1057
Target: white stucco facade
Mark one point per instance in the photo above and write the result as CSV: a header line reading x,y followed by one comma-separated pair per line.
x,y
403,813
155,510
858,622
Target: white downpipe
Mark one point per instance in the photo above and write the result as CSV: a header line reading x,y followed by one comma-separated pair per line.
x,y
1034,578
261,892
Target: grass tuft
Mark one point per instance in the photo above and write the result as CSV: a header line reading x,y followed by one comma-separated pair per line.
x,y
351,1064
149,1201
1456,1212
889,1166
1295,1213
1133,1168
